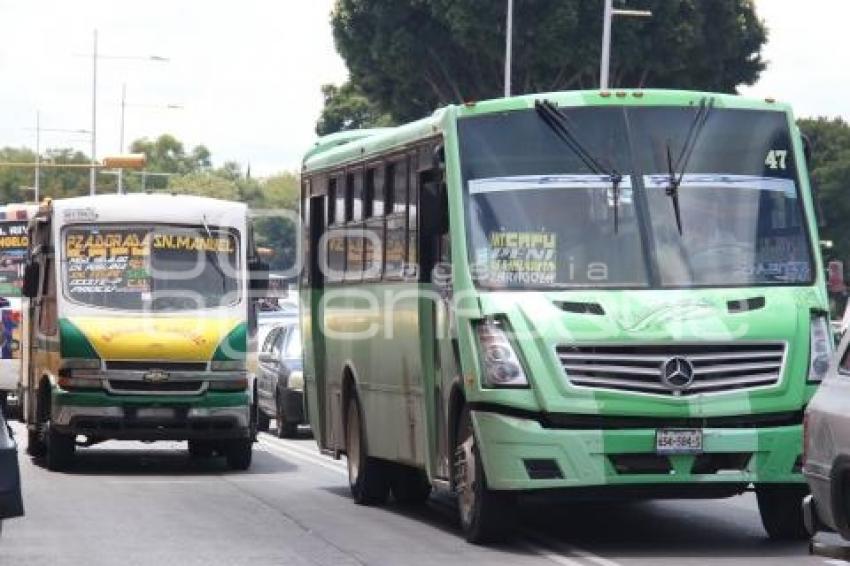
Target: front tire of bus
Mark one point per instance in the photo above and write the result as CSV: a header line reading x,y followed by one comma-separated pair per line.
x,y
781,510
60,449
238,453
485,515
367,477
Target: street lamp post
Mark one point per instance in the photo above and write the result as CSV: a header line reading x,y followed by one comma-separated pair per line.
x,y
123,111
610,12
95,57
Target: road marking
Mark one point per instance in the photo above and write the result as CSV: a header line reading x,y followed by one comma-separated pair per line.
x,y
551,556
563,554
285,451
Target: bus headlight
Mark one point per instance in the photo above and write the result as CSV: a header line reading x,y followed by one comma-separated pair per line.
x,y
820,347
227,365
501,365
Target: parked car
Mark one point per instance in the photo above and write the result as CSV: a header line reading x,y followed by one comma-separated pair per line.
x,y
11,504
280,381
270,319
827,449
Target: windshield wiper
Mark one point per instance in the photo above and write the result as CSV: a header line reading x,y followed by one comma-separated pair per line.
x,y
677,173
557,122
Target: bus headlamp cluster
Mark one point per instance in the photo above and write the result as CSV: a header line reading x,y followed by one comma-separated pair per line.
x,y
501,365
820,348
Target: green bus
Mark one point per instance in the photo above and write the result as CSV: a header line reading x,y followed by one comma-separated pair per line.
x,y
613,294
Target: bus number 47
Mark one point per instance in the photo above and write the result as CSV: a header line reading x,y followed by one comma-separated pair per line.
x,y
776,158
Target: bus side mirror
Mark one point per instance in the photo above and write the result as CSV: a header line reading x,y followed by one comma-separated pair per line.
x,y
32,276
258,272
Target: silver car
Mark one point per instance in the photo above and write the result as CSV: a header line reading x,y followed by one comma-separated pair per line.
x,y
827,449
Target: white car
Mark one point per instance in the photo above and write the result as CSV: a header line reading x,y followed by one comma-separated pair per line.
x,y
827,449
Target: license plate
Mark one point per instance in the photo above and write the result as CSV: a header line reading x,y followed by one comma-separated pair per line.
x,y
687,441
155,413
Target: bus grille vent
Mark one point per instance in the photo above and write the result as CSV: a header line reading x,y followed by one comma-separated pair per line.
x,y
713,368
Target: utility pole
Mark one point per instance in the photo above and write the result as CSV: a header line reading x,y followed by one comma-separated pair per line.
x,y
121,148
93,175
37,154
605,63
509,47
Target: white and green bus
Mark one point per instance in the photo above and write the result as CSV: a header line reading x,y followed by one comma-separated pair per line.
x,y
612,294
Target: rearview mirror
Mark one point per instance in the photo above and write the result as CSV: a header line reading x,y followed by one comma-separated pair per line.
x,y
32,276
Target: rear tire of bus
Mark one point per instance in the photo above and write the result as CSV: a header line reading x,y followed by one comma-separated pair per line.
x,y
238,453
485,515
781,510
60,449
35,445
263,421
409,486
367,477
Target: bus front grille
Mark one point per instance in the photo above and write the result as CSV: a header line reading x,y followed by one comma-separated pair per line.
x,y
702,368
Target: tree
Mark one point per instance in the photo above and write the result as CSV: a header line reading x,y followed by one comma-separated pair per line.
x,y
346,108
408,57
166,154
830,173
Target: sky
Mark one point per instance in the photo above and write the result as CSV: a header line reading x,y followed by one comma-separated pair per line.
x,y
248,74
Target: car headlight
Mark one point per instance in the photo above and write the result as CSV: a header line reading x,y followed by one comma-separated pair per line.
x,y
821,347
501,365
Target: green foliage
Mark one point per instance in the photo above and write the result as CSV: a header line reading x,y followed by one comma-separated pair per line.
x,y
830,172
166,154
407,57
346,108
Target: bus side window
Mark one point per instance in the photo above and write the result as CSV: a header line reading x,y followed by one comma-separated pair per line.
x,y
396,207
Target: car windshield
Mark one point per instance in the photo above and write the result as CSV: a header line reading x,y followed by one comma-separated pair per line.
x,y
541,219
156,268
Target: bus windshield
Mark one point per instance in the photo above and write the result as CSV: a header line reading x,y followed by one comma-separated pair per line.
x,y
539,218
13,255
151,268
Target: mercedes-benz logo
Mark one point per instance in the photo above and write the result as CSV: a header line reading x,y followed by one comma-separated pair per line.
x,y
677,374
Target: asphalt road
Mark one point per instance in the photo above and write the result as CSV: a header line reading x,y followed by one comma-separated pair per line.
x,y
137,504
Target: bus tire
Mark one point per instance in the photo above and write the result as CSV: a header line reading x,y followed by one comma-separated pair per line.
x,y
367,477
284,429
238,453
409,486
485,515
35,445
201,449
60,449
263,421
781,510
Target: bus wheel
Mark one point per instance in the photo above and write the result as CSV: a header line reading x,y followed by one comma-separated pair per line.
x,y
238,453
263,421
781,510
200,449
409,485
367,477
284,428
485,515
60,449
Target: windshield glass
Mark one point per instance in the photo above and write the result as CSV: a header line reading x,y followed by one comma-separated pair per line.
x,y
155,268
13,255
539,219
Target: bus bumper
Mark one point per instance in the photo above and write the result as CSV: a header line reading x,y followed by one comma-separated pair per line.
x,y
106,417
520,454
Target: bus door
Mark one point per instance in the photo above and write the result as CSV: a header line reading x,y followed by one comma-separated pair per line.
x,y
317,402
440,361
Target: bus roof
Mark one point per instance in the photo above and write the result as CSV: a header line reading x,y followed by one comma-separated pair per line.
x,y
354,145
143,207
